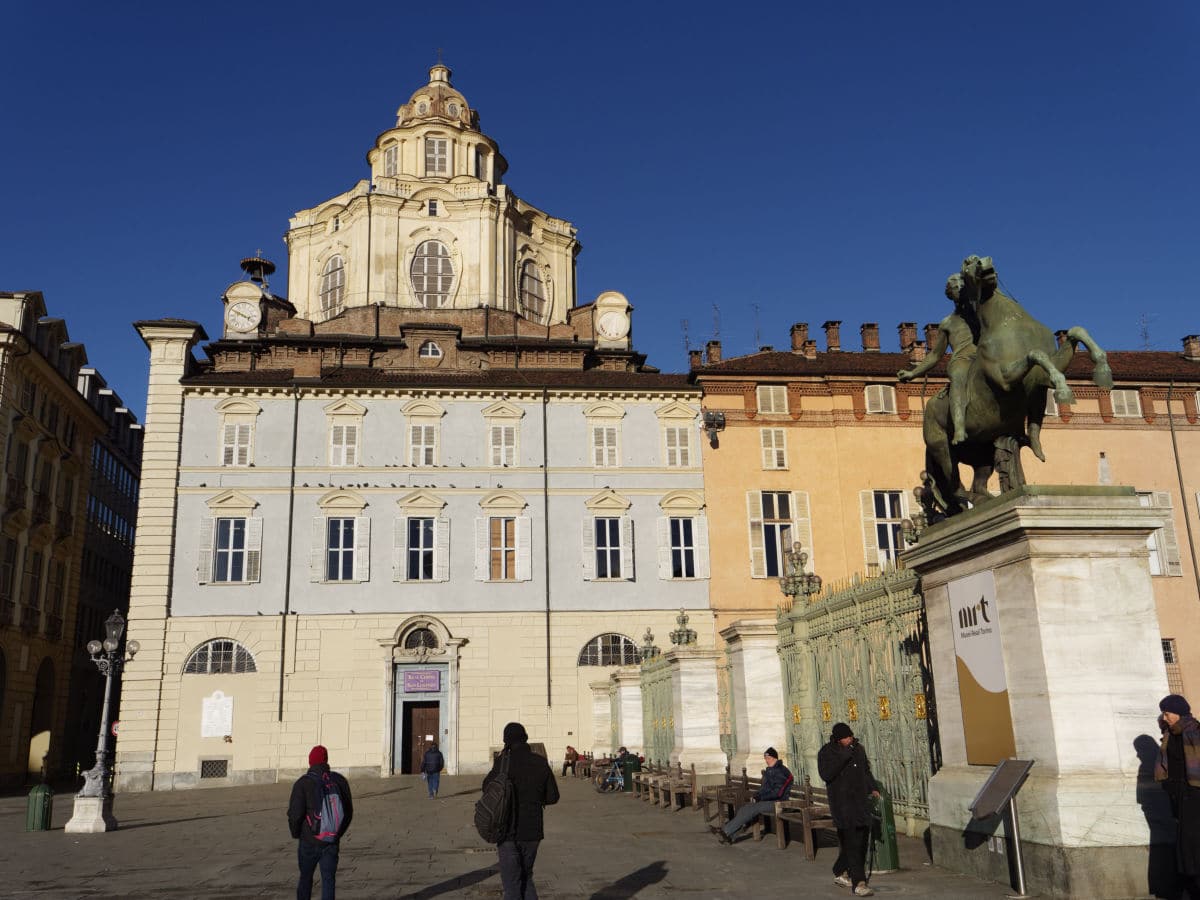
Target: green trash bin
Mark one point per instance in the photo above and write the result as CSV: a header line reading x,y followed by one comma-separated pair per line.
x,y
627,769
885,856
39,808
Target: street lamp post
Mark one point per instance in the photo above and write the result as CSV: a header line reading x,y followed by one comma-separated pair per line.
x,y
93,803
796,581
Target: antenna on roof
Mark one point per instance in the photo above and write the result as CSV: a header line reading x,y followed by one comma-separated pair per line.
x,y
716,321
757,340
1144,321
687,344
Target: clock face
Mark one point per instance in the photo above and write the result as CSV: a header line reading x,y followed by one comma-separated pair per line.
x,y
613,325
243,316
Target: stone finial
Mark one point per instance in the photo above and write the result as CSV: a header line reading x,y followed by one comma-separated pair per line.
x,y
683,636
870,337
649,650
799,336
810,349
931,333
833,335
712,352
1060,336
1191,347
908,335
695,359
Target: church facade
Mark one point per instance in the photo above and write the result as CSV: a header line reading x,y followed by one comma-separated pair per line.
x,y
426,494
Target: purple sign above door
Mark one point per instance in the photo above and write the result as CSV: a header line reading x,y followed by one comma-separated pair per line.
x,y
422,681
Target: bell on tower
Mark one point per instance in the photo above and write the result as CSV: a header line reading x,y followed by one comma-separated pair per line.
x,y
258,269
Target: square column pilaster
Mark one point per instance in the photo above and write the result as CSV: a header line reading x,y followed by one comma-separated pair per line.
x,y
602,723
627,685
694,697
756,691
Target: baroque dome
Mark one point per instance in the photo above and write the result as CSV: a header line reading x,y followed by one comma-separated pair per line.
x,y
438,101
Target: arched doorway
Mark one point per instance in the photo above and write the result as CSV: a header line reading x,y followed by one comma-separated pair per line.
x,y
43,718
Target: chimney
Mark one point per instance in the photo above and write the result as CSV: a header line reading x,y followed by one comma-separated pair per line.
x,y
833,339
931,333
695,359
810,349
870,337
712,352
799,336
908,335
766,348
1060,336
1191,347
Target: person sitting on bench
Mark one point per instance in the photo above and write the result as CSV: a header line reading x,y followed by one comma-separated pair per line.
x,y
776,783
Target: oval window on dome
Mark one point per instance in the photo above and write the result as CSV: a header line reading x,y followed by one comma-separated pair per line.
x,y
533,292
432,274
422,107
454,109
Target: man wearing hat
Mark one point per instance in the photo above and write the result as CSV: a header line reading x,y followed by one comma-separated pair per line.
x,y
1178,770
842,764
318,847
776,782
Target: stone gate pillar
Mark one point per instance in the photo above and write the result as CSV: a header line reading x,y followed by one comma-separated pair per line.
x,y
601,720
627,683
694,700
1045,645
756,688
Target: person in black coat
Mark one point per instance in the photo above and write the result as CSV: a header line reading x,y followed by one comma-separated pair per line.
x,y
304,810
432,764
776,785
534,788
843,766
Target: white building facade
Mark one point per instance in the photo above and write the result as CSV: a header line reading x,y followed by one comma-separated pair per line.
x,y
428,495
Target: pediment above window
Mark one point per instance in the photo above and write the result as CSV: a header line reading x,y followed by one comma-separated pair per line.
x,y
607,501
676,410
503,410
342,501
424,501
423,409
682,502
238,406
503,500
345,407
604,410
231,503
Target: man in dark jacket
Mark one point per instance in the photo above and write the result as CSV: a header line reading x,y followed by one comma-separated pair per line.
x,y
304,812
534,787
432,764
845,770
776,782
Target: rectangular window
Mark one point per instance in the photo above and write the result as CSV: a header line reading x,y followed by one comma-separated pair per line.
x,y
1126,404
503,444
1162,542
881,398
229,558
772,398
420,549
31,602
774,448
888,516
389,160
433,207
608,547
422,445
604,445
480,165
683,548
436,156
236,445
776,530
679,446
339,550
343,445
502,548
1171,658
8,570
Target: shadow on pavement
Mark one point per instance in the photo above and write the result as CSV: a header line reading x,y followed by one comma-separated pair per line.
x,y
450,885
629,886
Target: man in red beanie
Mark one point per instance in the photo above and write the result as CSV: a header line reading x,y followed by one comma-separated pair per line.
x,y
318,815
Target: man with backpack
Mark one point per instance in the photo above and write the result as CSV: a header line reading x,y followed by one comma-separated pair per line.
x,y
318,815
533,787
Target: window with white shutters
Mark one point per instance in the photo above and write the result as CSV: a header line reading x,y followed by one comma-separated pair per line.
x,y
777,521
502,548
339,549
1163,542
678,439
881,398
608,548
420,561
683,547
882,515
422,445
772,398
432,274
343,445
1126,403
333,285
230,550
774,448
436,156
389,160
604,445
235,447
503,445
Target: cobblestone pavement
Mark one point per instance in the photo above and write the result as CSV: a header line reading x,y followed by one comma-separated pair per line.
x,y
233,842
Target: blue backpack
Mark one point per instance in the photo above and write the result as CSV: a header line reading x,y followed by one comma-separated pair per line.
x,y
326,824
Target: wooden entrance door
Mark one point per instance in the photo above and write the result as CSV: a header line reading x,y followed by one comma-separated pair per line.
x,y
421,724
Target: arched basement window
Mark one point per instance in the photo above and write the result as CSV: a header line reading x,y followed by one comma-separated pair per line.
x,y
610,650
432,274
333,285
533,292
421,639
220,657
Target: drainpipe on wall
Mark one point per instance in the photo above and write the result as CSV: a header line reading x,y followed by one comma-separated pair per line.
x,y
1187,519
287,567
546,531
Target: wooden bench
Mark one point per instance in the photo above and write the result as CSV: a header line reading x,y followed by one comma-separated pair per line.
x,y
722,795
680,787
646,781
807,806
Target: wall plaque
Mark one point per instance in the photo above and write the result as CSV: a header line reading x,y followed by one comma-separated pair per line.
x,y
422,681
216,715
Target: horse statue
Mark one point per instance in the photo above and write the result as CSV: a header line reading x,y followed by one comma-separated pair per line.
x,y
1016,361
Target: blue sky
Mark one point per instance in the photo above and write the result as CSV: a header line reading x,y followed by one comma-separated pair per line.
x,y
779,162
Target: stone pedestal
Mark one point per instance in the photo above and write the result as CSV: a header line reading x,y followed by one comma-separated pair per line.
x,y
694,700
92,815
1079,654
756,691
627,708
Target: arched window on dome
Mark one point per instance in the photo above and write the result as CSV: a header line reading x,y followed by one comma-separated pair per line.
x,y
432,274
333,285
220,657
610,649
533,292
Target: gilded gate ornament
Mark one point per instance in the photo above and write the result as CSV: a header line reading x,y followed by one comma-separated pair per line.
x,y
919,705
852,709
885,708
826,711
